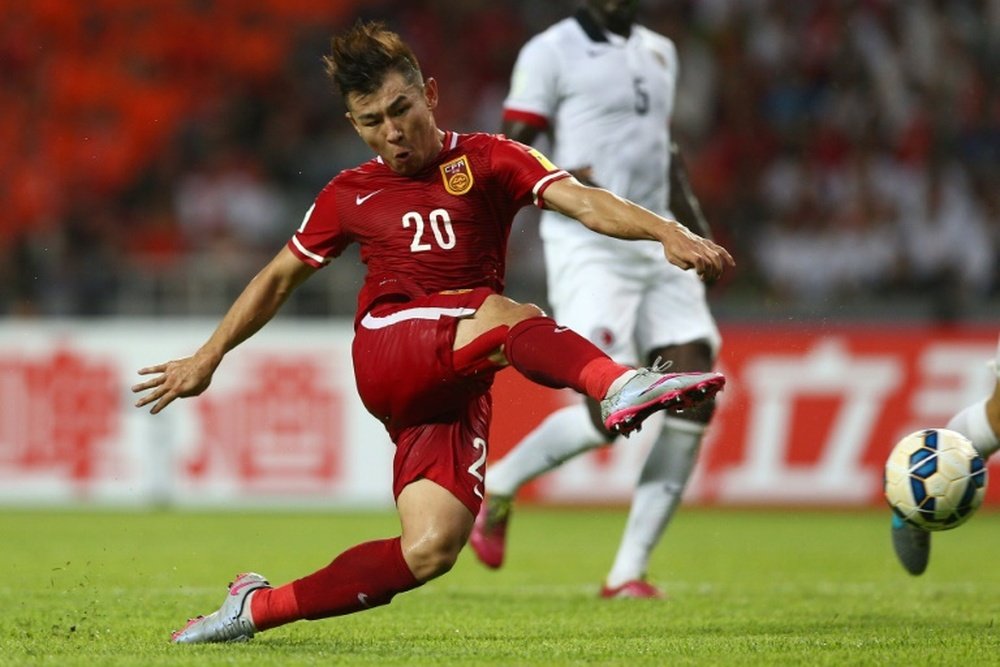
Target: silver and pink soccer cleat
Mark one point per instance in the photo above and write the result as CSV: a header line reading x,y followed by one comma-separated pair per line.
x,y
650,391
231,623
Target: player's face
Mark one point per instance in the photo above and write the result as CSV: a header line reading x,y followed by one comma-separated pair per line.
x,y
397,122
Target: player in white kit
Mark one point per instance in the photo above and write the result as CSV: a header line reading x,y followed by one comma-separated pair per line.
x,y
980,423
603,87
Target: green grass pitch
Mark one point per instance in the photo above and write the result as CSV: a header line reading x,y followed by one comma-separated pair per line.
x,y
746,588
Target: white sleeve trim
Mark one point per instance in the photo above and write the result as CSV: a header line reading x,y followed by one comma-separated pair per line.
x,y
305,219
548,178
308,253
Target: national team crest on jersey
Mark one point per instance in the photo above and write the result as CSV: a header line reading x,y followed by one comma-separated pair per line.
x,y
457,176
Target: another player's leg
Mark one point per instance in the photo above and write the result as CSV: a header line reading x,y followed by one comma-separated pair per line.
x,y
657,496
661,484
911,544
980,423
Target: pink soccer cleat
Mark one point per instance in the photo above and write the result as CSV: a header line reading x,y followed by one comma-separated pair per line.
x,y
636,588
489,534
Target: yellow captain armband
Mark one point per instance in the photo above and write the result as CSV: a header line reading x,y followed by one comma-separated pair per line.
x,y
545,162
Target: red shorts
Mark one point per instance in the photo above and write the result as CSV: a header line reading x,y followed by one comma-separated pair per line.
x,y
438,419
450,454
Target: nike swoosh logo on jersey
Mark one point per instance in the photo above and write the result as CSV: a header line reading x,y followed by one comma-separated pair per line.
x,y
359,200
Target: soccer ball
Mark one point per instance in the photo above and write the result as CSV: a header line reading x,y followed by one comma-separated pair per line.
x,y
935,479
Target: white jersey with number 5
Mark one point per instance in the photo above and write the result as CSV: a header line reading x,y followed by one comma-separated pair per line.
x,y
608,101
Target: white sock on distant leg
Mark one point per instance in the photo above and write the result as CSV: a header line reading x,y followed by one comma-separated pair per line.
x,y
657,495
564,434
974,425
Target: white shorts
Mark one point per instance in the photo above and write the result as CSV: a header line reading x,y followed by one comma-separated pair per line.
x,y
628,303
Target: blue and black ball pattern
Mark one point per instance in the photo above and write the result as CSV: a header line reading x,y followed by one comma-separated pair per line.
x,y
923,464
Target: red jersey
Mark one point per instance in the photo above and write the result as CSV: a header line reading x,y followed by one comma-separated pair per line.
x,y
445,228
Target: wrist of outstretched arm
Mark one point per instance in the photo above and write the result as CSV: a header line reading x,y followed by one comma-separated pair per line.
x,y
211,353
668,230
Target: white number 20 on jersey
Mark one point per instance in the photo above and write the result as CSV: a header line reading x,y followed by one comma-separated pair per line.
x,y
440,224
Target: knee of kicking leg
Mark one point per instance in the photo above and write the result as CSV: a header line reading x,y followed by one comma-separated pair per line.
x,y
519,312
432,555
500,310
529,310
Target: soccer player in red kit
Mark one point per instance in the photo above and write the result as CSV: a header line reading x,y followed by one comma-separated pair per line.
x,y
432,213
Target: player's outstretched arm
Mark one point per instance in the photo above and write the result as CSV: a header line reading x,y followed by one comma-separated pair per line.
x,y
258,303
608,214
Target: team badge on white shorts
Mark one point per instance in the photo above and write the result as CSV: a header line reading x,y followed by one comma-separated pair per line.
x,y
603,337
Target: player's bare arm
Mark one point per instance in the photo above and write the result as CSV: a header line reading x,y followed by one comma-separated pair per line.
x,y
608,214
258,303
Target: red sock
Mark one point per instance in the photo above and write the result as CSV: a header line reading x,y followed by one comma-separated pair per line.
x,y
474,357
271,607
558,357
367,575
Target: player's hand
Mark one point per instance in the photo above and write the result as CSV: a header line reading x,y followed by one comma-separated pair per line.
x,y
175,379
687,250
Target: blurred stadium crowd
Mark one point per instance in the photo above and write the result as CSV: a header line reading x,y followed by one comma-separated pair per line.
x,y
157,152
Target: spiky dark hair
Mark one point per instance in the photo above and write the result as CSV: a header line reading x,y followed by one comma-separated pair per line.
x,y
360,59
